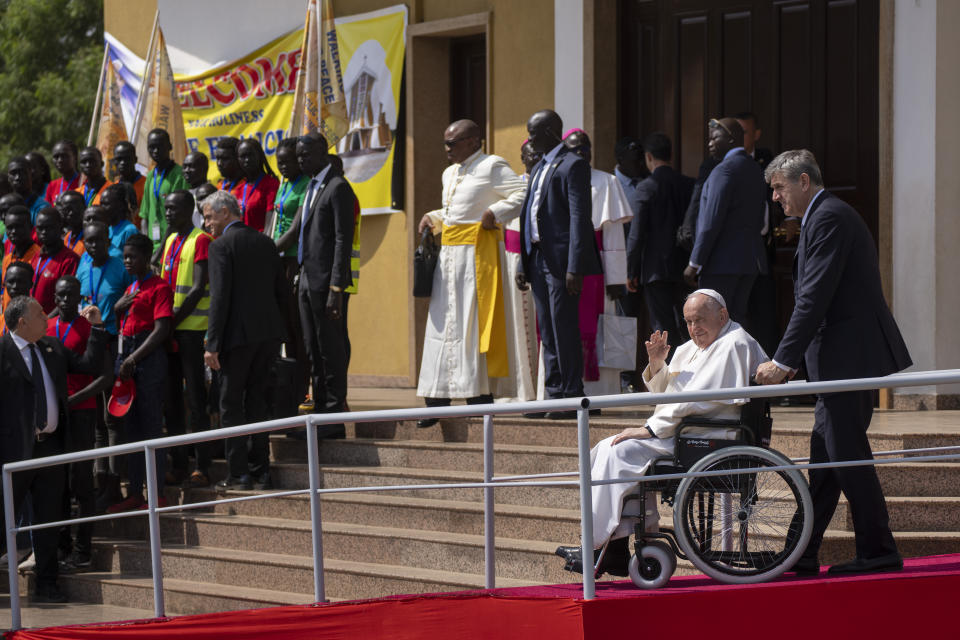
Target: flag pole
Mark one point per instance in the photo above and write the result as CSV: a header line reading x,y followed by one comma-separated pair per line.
x,y
96,102
151,54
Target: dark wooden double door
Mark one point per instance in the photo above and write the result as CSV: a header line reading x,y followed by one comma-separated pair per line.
x,y
808,69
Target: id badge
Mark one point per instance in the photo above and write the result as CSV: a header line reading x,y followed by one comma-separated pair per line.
x,y
155,232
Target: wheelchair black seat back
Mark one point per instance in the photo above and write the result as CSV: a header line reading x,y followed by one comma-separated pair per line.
x,y
742,524
697,437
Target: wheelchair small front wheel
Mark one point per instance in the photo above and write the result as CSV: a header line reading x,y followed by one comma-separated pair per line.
x,y
653,567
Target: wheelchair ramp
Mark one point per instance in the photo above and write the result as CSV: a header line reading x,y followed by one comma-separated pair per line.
x,y
917,600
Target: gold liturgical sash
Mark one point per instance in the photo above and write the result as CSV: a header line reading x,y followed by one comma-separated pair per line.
x,y
490,313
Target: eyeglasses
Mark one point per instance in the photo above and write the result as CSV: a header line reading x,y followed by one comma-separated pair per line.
x,y
716,123
450,144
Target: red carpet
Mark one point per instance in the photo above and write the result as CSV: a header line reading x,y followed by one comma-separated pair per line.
x,y
916,602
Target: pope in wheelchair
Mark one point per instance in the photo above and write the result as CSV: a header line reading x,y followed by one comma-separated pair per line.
x,y
719,354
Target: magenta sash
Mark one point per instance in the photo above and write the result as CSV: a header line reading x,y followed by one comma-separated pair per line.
x,y
591,306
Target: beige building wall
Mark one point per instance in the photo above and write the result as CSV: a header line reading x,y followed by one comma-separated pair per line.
x,y
386,323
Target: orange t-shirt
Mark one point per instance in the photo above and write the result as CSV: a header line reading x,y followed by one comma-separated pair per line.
x,y
91,197
74,244
8,258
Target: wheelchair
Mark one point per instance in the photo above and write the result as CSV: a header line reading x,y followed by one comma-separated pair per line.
x,y
736,527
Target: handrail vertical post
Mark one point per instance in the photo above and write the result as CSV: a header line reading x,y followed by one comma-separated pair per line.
x,y
10,526
489,538
156,561
316,533
586,502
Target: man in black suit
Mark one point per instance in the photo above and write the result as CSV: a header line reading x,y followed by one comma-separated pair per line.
x,y
728,253
841,326
558,248
35,419
654,261
247,289
325,241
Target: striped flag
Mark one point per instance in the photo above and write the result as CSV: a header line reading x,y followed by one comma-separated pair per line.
x,y
112,128
320,75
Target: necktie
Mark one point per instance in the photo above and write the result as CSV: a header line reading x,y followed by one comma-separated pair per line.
x,y
39,389
307,205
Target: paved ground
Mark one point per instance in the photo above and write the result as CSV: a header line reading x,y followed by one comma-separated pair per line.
x,y
52,615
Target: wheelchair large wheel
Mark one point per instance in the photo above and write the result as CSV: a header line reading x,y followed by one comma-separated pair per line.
x,y
743,527
653,566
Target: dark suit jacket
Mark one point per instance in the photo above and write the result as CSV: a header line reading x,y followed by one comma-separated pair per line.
x,y
731,217
841,322
763,156
688,231
564,217
247,289
16,390
328,235
652,251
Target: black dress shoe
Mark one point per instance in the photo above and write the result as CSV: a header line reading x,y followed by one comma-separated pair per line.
x,y
49,593
535,415
243,483
806,567
427,422
888,562
561,415
564,552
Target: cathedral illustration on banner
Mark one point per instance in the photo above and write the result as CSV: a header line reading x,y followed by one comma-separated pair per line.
x,y
369,131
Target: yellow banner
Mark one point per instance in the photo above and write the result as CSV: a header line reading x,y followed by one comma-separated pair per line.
x,y
254,97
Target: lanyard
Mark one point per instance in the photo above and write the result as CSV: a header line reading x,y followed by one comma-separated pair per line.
x,y
65,183
96,290
88,194
174,257
134,288
227,186
158,183
243,203
63,338
282,197
72,244
39,272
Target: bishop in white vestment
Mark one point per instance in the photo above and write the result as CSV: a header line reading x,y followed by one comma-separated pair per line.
x,y
465,338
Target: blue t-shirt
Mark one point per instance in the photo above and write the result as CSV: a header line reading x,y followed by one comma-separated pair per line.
x,y
35,203
108,282
119,234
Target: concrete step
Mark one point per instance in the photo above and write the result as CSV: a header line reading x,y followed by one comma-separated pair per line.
x,y
256,575
181,597
525,560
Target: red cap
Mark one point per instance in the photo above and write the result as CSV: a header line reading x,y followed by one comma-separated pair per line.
x,y
124,391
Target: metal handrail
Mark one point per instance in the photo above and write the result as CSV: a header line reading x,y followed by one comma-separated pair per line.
x,y
585,482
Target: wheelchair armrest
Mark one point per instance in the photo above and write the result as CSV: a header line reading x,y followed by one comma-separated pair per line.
x,y
745,433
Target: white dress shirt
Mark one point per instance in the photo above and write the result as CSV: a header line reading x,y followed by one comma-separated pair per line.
x,y
53,411
537,187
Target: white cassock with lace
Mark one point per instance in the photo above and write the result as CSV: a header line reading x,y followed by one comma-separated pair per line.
x,y
730,361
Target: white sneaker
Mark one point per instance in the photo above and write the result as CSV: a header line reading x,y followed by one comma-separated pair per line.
x,y
28,564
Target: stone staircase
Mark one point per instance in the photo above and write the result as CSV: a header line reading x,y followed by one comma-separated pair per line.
x,y
258,553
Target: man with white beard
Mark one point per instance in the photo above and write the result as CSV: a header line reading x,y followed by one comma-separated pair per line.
x,y
719,354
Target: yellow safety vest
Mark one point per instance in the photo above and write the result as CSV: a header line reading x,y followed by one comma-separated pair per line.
x,y
197,320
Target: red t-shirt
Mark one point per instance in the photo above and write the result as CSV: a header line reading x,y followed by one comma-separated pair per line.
x,y
154,300
256,198
74,336
47,270
58,186
200,253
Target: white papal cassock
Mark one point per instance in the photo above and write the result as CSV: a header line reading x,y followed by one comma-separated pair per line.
x,y
452,365
729,362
